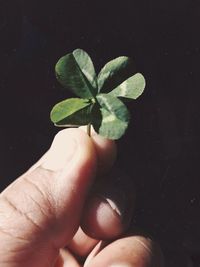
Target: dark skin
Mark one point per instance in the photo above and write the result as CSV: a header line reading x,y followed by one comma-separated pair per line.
x,y
43,212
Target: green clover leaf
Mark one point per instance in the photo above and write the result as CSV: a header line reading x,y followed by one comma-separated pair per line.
x,y
114,73
132,88
115,117
100,102
76,72
73,111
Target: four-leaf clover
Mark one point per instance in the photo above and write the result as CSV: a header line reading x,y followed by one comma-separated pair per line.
x,y
101,98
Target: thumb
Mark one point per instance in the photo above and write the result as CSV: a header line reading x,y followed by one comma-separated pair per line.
x,y
40,211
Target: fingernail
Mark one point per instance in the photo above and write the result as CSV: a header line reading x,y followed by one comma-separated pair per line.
x,y
118,192
61,152
117,202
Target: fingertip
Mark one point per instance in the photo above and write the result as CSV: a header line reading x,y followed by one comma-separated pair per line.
x,y
69,145
110,206
101,220
106,151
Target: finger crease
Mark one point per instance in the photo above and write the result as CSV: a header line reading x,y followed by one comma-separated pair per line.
x,y
41,193
2,230
21,213
39,206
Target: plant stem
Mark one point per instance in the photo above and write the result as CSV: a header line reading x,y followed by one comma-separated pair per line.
x,y
89,129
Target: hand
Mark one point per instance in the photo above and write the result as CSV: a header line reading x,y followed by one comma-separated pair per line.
x,y
42,211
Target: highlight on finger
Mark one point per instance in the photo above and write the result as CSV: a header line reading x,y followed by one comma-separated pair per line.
x,y
133,251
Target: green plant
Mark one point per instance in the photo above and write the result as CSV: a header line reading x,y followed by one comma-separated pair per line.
x,y
101,98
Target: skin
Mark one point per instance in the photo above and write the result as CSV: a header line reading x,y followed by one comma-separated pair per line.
x,y
43,212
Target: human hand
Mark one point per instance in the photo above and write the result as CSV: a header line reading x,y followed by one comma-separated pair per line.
x,y
42,211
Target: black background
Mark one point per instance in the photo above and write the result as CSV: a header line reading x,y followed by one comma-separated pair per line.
x,y
161,148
